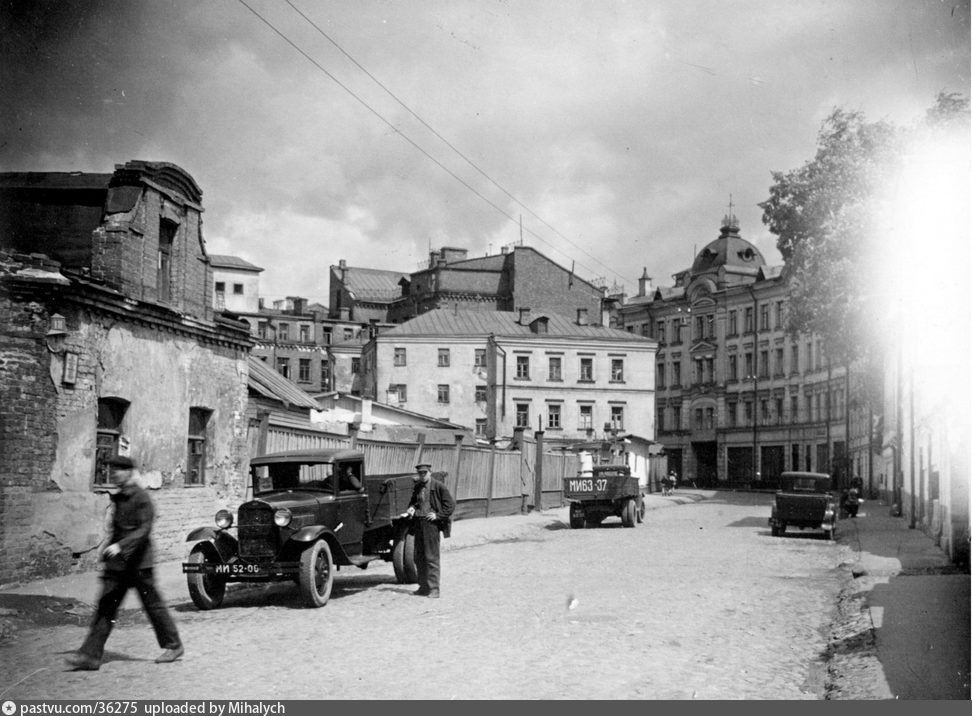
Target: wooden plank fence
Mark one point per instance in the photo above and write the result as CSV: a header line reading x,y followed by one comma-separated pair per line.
x,y
485,481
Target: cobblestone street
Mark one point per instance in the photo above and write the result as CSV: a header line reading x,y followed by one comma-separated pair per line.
x,y
697,602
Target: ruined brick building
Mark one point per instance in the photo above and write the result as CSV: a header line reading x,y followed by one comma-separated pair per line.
x,y
110,345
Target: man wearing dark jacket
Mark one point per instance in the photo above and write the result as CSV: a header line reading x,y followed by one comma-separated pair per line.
x,y
128,562
431,510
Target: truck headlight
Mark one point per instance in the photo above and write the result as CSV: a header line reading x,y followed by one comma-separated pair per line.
x,y
224,519
282,517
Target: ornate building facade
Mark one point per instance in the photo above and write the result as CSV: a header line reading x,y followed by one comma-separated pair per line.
x,y
738,399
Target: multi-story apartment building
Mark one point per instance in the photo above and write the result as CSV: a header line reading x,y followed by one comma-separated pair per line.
x,y
496,371
739,400
517,276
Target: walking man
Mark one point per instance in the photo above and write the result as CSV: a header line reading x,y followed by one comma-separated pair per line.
x,y
431,510
128,563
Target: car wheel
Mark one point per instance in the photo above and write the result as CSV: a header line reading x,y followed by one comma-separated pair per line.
x,y
629,514
316,574
403,560
641,510
774,530
206,590
576,520
782,527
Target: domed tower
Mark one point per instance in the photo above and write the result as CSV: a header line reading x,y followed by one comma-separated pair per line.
x,y
727,261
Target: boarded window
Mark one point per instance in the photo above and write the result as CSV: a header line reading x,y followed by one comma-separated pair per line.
x,y
196,463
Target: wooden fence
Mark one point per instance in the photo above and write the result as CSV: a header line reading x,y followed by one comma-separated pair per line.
x,y
485,481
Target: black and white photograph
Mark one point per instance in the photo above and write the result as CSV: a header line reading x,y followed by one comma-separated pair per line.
x,y
483,350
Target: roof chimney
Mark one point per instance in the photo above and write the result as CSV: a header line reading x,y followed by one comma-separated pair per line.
x,y
524,316
581,316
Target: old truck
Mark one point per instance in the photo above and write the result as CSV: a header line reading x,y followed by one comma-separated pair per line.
x,y
804,500
311,513
609,490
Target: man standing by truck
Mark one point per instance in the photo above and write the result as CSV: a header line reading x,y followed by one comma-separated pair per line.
x,y
431,510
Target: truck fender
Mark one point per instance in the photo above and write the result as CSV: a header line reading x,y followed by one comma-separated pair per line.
x,y
306,535
224,544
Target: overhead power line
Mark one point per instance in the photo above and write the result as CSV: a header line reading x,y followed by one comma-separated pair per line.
x,y
408,139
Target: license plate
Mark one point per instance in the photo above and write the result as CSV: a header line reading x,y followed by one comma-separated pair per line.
x,y
233,569
586,484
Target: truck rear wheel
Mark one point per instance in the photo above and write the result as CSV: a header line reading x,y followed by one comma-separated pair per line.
x,y
576,519
403,560
205,590
316,574
629,513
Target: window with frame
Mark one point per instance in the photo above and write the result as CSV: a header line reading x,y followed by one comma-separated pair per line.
x,y
709,419
698,419
303,370
764,317
733,367
444,357
779,410
699,327
779,315
733,323
617,417
196,463
748,320
676,331
660,420
220,287
523,367
794,409
660,375
262,329
699,375
111,415
676,373
399,357
587,369
522,415
283,367
660,331
586,417
355,365
553,416
710,326
617,370
398,392
731,407
676,417
283,331
326,336
748,363
554,368
443,393
480,393
764,364
764,411
480,428
325,374
238,289
646,330
708,370
305,334
479,358
794,358
748,411
778,367
348,334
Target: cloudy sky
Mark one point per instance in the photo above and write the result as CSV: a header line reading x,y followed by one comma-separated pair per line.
x,y
374,130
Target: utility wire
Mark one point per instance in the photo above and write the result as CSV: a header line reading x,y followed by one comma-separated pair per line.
x,y
445,141
394,128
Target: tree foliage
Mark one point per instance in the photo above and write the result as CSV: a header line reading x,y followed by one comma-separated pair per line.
x,y
831,213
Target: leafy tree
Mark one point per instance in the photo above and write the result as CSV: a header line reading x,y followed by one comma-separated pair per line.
x,y
821,213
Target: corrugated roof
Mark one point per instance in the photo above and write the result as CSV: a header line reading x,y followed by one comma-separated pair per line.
x,y
373,284
269,383
452,322
232,262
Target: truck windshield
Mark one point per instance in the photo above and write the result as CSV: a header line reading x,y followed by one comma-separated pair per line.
x,y
292,476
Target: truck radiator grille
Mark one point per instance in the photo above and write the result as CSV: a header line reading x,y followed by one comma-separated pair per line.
x,y
257,533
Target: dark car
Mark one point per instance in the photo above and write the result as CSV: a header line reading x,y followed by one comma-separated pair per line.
x,y
804,500
312,511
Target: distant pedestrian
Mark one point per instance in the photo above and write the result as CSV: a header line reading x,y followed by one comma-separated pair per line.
x,y
430,510
673,478
128,563
666,482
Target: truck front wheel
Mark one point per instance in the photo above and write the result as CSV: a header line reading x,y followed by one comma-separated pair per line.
x,y
403,559
206,590
316,574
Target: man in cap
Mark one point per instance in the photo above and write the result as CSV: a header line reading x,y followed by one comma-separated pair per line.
x,y
431,510
128,562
